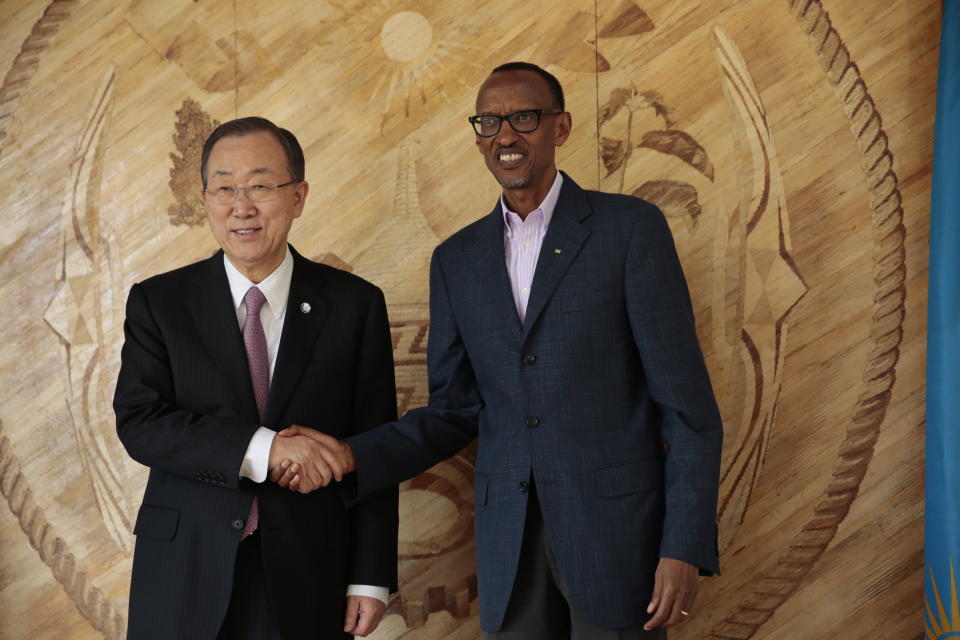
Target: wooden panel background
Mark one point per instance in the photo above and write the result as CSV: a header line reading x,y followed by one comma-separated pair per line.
x,y
788,141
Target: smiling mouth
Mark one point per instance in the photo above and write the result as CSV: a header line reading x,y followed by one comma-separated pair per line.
x,y
510,159
245,232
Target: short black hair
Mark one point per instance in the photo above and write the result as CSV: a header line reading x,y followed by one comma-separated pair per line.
x,y
550,79
254,124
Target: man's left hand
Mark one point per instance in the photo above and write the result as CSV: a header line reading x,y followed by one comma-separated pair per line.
x,y
674,590
363,615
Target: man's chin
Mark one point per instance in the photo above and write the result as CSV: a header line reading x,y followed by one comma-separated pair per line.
x,y
514,183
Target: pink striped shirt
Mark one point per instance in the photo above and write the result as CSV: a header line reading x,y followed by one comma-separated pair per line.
x,y
522,239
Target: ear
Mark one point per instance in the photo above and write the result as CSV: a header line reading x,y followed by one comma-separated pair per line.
x,y
563,124
300,198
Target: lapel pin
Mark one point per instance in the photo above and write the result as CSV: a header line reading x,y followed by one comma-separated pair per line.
x,y
304,307
556,251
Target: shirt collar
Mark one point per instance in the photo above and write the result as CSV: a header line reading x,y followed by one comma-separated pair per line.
x,y
275,287
546,207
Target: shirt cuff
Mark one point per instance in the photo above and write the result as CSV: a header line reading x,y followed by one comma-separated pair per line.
x,y
257,457
380,593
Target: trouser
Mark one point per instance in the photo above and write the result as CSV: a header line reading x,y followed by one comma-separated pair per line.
x,y
539,608
250,615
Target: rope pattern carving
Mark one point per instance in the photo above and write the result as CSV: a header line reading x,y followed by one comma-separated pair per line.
x,y
886,331
28,60
88,599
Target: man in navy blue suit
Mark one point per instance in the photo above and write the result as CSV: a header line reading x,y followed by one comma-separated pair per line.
x,y
562,335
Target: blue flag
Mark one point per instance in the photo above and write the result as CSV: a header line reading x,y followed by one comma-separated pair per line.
x,y
942,533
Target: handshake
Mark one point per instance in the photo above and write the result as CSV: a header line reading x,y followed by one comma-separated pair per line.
x,y
303,459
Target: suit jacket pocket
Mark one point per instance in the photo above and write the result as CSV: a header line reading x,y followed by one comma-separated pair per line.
x,y
480,484
628,477
156,522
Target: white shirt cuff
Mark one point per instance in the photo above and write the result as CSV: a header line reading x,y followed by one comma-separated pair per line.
x,y
380,593
257,457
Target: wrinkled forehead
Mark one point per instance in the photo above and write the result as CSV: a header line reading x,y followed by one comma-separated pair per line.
x,y
513,90
257,153
230,172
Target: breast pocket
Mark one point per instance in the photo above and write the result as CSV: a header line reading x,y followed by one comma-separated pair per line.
x,y
156,522
592,280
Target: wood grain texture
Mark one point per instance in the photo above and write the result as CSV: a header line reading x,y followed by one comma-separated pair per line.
x,y
788,142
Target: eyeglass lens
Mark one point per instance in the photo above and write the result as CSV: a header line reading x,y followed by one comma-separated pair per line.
x,y
225,194
521,121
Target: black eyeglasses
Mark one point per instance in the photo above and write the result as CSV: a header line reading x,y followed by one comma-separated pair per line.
x,y
488,125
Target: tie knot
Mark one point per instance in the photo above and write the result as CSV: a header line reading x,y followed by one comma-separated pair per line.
x,y
253,300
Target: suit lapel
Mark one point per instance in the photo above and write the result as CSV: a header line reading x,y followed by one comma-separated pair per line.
x,y
563,242
301,326
490,262
216,320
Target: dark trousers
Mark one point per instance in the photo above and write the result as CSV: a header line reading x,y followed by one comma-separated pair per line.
x,y
250,615
539,608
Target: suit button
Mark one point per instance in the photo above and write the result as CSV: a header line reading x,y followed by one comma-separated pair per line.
x,y
533,422
524,486
237,524
529,359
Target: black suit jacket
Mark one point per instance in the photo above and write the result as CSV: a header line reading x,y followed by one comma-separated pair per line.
x,y
185,408
601,395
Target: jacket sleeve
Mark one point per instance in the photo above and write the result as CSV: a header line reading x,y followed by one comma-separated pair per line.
x,y
155,431
663,327
399,450
374,521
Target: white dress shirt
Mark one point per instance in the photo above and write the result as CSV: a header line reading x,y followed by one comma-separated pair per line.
x,y
522,239
276,289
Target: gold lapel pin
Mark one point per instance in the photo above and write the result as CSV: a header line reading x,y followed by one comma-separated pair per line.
x,y
556,251
304,307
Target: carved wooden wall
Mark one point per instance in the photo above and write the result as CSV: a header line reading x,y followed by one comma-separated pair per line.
x,y
788,142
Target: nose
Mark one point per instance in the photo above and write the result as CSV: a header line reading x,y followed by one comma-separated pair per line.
x,y
506,136
243,206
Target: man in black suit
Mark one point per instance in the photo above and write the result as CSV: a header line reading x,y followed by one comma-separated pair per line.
x,y
217,356
562,334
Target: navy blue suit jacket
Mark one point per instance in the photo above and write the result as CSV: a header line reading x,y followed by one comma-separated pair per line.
x,y
601,395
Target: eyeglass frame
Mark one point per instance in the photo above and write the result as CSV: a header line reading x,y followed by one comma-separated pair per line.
x,y
246,192
474,120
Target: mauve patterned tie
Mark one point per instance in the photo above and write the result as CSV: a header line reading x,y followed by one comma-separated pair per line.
x,y
256,344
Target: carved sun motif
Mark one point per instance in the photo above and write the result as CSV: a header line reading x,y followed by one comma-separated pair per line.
x,y
419,49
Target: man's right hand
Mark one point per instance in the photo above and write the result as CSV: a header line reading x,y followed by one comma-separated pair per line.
x,y
304,462
303,459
